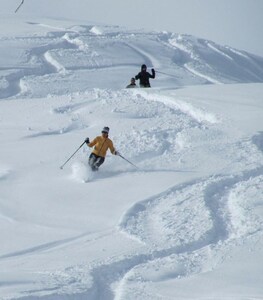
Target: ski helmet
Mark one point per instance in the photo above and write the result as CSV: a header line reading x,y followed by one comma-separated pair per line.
x,y
105,130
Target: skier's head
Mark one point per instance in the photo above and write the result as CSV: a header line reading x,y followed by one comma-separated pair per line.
x,y
105,131
143,67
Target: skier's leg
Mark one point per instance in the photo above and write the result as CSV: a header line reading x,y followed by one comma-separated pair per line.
x,y
92,161
95,161
99,161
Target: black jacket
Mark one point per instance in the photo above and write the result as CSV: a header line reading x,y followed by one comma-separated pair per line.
x,y
144,78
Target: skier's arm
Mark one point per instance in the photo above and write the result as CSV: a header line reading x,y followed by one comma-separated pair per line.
x,y
93,143
112,149
153,74
138,76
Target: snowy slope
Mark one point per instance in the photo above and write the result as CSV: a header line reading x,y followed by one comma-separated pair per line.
x,y
186,225
69,58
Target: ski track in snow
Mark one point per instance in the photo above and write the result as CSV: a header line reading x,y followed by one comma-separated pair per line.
x,y
163,223
140,218
149,60
48,65
214,192
199,74
219,51
157,221
56,244
160,212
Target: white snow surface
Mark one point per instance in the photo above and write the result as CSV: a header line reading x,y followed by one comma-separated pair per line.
x,y
187,224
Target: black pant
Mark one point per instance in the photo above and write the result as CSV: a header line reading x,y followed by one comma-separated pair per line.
x,y
144,85
95,161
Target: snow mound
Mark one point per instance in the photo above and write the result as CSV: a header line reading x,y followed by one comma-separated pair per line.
x,y
96,30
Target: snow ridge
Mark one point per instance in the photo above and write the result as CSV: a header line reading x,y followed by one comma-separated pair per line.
x,y
186,60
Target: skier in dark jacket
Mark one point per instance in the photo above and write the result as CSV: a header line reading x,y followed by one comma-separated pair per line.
x,y
144,77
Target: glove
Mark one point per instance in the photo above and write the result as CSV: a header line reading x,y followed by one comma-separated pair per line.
x,y
117,153
87,140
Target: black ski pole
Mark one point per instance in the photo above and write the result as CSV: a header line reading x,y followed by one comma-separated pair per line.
x,y
19,6
166,74
72,155
127,160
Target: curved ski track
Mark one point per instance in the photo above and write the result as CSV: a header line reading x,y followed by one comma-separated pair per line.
x,y
139,221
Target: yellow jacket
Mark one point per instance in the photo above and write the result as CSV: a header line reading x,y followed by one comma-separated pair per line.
x,y
101,146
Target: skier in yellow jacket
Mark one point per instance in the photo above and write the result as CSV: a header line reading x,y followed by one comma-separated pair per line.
x,y
101,145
